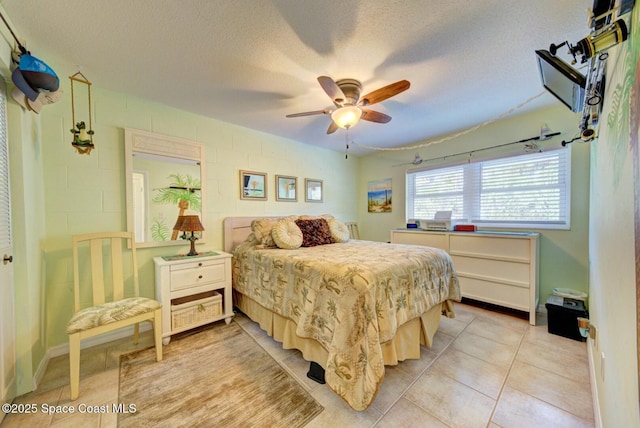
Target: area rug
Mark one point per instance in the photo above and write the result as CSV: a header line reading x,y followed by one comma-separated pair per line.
x,y
218,377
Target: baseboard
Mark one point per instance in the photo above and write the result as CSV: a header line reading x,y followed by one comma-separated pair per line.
x,y
63,349
594,390
42,368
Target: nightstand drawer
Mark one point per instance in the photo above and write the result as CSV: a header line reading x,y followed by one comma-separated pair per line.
x,y
196,264
196,312
197,275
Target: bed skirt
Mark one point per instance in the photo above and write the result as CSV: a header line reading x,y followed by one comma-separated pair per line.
x,y
405,345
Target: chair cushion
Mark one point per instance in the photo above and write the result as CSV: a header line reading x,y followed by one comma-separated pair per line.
x,y
107,313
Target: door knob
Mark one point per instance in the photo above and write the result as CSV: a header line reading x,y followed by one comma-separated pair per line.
x,y
7,259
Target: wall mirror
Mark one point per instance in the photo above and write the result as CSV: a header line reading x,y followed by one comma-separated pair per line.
x,y
164,180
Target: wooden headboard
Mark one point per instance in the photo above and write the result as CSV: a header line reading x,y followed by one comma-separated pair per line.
x,y
236,230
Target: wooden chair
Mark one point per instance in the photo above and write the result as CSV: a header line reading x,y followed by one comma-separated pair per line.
x,y
353,230
107,309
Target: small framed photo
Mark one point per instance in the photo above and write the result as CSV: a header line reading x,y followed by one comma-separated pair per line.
x,y
286,188
313,190
253,185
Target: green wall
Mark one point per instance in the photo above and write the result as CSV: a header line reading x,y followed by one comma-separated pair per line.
x,y
86,193
563,253
615,177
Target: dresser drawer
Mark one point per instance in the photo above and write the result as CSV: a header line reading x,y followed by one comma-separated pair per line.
x,y
496,247
196,274
436,240
496,293
516,274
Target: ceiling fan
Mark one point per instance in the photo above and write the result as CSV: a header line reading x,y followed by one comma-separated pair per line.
x,y
345,94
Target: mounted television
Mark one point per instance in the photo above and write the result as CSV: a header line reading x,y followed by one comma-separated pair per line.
x,y
565,83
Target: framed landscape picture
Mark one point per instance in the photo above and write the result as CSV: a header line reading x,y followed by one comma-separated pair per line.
x,y
286,188
253,185
379,196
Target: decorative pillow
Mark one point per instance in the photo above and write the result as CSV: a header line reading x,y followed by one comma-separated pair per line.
x,y
261,228
287,235
339,230
315,232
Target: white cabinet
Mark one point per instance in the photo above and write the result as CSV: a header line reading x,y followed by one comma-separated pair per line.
x,y
193,290
494,267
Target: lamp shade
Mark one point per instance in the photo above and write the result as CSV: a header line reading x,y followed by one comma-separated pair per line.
x,y
346,117
188,223
179,222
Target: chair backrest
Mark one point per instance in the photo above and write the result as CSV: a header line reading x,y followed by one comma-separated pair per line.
x,y
354,233
89,262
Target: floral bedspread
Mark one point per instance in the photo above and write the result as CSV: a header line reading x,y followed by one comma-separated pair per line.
x,y
350,297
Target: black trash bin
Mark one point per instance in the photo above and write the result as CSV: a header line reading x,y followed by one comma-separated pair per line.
x,y
562,316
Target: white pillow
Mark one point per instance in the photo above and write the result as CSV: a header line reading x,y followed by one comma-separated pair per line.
x,y
287,235
339,230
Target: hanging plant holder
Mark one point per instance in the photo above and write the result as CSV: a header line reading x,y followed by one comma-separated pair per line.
x,y
82,137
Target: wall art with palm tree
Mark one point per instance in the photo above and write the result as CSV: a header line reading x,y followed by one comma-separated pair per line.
x,y
183,192
379,196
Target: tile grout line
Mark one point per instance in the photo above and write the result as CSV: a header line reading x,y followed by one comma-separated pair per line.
x,y
506,377
419,375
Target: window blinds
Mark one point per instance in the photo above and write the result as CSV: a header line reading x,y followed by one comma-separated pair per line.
x,y
5,206
530,190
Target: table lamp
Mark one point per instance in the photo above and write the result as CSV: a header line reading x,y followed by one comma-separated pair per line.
x,y
189,223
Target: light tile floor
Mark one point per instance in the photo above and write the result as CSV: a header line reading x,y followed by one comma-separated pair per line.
x,y
485,369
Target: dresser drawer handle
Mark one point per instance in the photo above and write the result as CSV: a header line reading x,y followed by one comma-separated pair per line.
x,y
199,264
199,276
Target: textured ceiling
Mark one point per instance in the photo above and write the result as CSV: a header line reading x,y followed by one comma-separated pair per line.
x,y
251,62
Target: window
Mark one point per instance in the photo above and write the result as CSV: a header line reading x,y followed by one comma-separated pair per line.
x,y
531,190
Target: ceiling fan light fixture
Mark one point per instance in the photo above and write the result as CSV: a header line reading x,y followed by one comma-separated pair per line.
x,y
347,116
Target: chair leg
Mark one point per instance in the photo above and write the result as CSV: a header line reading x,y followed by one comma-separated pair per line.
x,y
74,365
157,333
136,333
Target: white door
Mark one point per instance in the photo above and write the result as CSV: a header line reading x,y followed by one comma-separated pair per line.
x,y
7,320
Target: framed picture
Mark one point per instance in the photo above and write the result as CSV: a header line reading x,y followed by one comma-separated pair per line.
x,y
253,185
313,190
379,196
286,188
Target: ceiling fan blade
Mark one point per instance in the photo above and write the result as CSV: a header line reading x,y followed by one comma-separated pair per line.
x,y
384,93
332,128
375,116
332,89
309,113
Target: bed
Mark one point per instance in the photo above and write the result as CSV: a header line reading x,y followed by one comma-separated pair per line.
x,y
351,307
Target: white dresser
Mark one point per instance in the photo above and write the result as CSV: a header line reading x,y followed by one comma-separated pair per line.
x,y
193,290
494,267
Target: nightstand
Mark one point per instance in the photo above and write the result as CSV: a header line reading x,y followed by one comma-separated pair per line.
x,y
194,291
